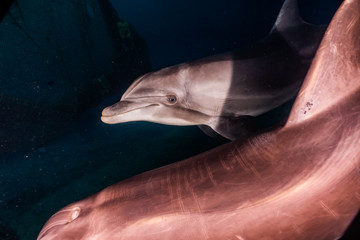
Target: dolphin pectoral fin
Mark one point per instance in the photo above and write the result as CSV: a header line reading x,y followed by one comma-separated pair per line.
x,y
210,132
234,128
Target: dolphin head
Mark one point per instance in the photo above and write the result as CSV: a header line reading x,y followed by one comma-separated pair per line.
x,y
162,97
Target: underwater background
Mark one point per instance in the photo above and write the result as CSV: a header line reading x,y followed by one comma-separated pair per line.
x,y
63,61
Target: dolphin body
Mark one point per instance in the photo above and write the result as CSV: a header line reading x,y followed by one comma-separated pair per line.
x,y
224,92
298,182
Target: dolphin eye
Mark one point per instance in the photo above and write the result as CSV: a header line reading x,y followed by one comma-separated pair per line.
x,y
172,99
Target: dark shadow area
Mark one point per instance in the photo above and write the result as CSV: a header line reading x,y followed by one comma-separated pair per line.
x,y
353,231
4,7
268,75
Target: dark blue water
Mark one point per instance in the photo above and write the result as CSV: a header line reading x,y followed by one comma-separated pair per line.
x,y
86,155
178,31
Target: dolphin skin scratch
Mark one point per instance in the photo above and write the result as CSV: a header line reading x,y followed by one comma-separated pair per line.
x,y
306,183
222,94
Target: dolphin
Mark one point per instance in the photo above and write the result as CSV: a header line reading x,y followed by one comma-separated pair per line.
x,y
300,181
223,93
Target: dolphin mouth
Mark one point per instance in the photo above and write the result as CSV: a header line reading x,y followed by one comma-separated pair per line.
x,y
121,111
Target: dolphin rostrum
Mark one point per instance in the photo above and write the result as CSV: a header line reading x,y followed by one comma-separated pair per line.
x,y
298,182
224,92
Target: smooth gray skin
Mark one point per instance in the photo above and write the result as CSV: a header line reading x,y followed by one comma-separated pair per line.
x,y
223,91
298,182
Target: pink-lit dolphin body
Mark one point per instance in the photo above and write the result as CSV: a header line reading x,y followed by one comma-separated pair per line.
x,y
223,93
298,182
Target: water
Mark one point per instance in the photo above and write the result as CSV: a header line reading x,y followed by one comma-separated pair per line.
x,y
72,154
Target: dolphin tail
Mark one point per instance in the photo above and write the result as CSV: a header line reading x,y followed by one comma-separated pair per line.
x,y
334,75
303,37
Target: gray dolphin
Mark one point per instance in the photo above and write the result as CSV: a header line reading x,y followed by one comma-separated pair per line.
x,y
298,182
223,91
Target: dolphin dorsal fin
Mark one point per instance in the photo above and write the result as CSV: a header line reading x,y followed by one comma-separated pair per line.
x,y
288,16
301,36
335,72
